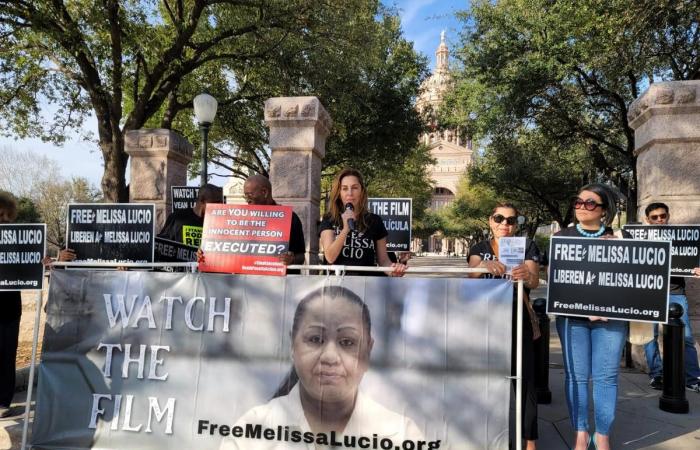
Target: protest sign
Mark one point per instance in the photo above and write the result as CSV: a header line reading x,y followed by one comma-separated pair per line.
x,y
183,197
245,238
192,361
174,252
511,251
22,249
614,278
396,213
111,232
685,244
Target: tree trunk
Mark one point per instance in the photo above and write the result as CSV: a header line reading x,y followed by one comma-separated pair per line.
x,y
115,158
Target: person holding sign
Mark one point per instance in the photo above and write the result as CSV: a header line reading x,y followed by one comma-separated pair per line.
x,y
592,346
10,315
658,214
320,401
351,235
503,223
257,190
185,226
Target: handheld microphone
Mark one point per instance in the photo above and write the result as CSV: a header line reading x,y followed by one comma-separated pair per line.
x,y
351,222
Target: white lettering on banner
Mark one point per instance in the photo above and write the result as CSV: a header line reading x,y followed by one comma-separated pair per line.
x,y
154,409
569,276
119,312
82,215
399,209
243,247
155,361
8,237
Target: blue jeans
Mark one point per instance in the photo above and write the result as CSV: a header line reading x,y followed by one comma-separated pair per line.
x,y
591,350
651,349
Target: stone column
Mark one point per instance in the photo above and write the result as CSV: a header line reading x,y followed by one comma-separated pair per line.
x,y
233,191
158,160
666,123
299,127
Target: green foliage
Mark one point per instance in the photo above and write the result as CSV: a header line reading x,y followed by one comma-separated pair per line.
x,y
137,64
561,75
467,217
27,211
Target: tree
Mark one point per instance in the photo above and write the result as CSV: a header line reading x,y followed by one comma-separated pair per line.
x,y
138,64
34,169
467,218
571,69
52,199
27,211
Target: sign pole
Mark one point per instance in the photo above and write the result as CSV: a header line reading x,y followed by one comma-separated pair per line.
x,y
35,341
519,370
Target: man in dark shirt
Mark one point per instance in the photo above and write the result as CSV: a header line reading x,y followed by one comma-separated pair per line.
x,y
10,315
257,190
185,226
658,214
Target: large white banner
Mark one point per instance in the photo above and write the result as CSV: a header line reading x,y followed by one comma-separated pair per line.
x,y
209,361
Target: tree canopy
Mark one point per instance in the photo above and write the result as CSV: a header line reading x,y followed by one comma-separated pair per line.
x,y
134,64
547,85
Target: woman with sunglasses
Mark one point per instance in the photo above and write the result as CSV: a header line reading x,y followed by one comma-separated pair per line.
x,y
592,346
503,223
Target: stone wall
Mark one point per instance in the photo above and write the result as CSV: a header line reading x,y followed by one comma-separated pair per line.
x,y
666,123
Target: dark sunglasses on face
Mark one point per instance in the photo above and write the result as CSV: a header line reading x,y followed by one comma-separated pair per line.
x,y
662,216
498,218
588,205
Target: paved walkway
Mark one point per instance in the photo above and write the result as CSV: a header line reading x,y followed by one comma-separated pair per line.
x,y
639,424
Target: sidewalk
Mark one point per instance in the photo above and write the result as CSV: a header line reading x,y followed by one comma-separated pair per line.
x,y
639,423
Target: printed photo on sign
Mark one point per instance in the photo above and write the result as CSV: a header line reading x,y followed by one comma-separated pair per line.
x,y
183,197
215,361
614,278
245,239
396,213
685,244
111,232
22,249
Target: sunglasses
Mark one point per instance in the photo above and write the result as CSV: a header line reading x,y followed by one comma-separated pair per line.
x,y
662,216
498,218
588,205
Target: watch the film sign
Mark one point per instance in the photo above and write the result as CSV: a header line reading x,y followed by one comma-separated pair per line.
x,y
396,213
613,278
183,197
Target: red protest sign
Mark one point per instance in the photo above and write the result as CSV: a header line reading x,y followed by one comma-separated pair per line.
x,y
245,238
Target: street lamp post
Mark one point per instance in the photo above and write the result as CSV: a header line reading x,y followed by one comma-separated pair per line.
x,y
204,111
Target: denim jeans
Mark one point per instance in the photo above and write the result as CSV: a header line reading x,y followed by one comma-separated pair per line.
x,y
651,349
591,350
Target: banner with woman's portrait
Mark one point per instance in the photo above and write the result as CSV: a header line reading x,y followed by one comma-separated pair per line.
x,y
212,361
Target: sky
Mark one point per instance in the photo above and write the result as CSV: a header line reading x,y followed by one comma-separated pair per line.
x,y
421,21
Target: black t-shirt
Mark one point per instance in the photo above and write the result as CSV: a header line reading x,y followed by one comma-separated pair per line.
x,y
10,306
183,226
359,248
296,239
484,250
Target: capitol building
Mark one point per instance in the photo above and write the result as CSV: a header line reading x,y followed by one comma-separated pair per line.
x,y
451,153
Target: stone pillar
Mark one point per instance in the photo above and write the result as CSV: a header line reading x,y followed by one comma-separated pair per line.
x,y
299,127
158,160
233,191
666,123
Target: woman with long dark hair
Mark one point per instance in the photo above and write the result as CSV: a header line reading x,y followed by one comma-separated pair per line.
x,y
503,223
592,346
351,235
331,345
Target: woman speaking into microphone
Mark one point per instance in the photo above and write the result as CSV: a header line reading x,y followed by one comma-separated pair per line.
x,y
351,235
